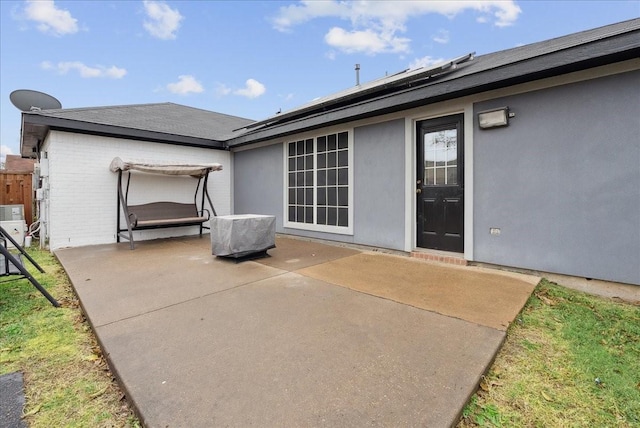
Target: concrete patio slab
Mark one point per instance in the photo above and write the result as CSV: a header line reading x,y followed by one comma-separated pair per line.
x,y
200,342
474,294
294,351
116,283
293,254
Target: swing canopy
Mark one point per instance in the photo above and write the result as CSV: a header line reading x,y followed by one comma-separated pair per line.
x,y
195,170
162,213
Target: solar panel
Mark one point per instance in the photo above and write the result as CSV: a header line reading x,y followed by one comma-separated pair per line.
x,y
378,85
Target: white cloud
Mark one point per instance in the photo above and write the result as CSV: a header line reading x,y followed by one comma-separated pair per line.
x,y
507,15
85,71
162,21
425,61
441,37
293,15
367,41
50,19
186,84
4,151
376,24
253,89
222,90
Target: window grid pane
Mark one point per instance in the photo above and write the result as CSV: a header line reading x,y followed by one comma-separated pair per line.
x,y
334,183
318,181
300,190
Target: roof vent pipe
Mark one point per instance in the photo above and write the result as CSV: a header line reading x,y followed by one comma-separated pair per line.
x,y
357,74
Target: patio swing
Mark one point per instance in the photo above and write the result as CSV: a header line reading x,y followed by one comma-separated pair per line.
x,y
13,265
162,214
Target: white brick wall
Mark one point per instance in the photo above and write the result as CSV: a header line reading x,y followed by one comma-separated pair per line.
x,y
83,191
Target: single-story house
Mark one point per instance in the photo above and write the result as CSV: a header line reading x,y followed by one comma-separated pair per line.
x,y
526,158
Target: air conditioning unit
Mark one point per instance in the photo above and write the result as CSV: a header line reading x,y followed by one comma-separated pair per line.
x,y
11,212
16,229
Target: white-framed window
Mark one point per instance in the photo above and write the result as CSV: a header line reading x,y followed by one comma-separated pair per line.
x,y
318,183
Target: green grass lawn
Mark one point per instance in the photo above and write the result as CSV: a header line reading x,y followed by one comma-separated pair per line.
x,y
67,382
569,360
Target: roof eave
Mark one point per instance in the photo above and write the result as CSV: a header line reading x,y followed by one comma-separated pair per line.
x,y
35,128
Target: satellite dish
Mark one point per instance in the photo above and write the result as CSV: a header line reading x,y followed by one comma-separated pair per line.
x,y
28,100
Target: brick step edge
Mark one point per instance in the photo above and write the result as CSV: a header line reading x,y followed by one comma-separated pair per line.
x,y
439,258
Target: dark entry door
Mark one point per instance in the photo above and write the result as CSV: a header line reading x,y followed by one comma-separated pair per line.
x,y
440,183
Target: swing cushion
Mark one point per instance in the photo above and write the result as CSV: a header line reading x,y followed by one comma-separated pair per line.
x,y
159,214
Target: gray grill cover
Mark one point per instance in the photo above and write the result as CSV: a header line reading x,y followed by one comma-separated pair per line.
x,y
241,235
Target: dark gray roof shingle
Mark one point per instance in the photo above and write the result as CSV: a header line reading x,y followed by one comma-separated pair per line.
x,y
162,122
166,118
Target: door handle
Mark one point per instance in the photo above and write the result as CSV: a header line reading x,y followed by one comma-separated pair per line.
x,y
418,191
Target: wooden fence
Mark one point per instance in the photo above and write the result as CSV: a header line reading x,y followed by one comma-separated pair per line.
x,y
17,189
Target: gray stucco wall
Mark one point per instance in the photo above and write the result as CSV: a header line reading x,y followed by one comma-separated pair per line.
x,y
257,182
378,186
562,182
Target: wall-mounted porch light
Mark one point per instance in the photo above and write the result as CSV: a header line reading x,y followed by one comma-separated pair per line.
x,y
494,118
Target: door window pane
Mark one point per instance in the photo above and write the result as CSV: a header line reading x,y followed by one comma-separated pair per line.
x,y
452,175
429,176
440,157
452,157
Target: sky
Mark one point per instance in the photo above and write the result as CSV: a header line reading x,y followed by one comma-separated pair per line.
x,y
253,58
